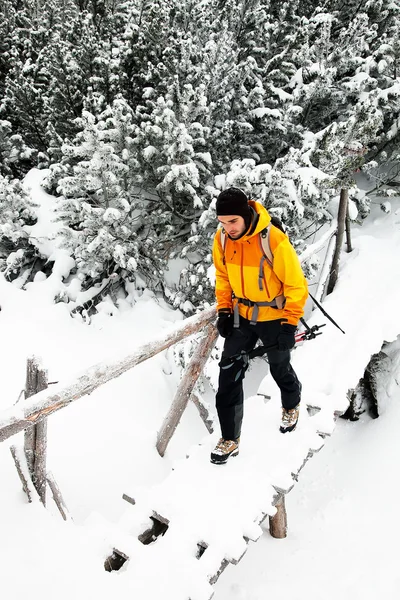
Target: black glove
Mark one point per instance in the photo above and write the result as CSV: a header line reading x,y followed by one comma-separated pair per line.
x,y
286,339
225,323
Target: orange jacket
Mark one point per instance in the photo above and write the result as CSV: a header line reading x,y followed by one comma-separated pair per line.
x,y
237,270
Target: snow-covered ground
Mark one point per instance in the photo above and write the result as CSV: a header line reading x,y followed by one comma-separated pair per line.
x,y
342,519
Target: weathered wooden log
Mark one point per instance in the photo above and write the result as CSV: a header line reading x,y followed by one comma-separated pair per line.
x,y
278,523
185,388
39,468
35,439
203,412
348,230
326,267
39,474
30,433
23,471
58,498
44,404
344,198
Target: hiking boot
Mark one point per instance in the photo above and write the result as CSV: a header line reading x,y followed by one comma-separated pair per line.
x,y
289,419
223,450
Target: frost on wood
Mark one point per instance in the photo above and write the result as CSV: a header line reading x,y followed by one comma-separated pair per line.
x,y
185,388
42,405
23,472
58,498
36,436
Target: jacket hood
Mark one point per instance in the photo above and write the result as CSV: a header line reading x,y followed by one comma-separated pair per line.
x,y
260,220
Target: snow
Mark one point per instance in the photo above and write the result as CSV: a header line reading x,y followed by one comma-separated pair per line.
x,y
259,113
103,446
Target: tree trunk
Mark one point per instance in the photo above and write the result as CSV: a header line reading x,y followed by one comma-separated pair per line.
x,y
339,239
185,388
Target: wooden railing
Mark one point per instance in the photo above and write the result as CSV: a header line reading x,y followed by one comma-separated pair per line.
x,y
31,415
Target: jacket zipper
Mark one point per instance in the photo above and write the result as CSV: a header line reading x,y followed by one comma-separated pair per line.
x,y
241,270
242,279
266,287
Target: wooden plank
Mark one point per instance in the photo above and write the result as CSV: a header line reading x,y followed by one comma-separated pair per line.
x,y
128,499
42,405
185,388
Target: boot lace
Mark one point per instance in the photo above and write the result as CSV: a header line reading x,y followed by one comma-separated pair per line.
x,y
224,444
289,415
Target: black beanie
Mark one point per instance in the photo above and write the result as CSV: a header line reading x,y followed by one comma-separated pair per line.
x,y
233,202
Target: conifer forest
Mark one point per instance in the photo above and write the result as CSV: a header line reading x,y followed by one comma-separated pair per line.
x,y
141,111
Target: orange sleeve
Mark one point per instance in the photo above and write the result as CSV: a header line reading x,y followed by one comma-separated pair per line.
x,y
223,290
288,269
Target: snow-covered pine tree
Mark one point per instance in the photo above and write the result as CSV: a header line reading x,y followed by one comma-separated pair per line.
x,y
108,229
15,156
16,211
171,150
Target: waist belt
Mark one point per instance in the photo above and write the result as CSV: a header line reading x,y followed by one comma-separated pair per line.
x,y
278,302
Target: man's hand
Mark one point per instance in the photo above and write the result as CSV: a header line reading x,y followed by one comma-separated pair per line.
x,y
286,339
225,323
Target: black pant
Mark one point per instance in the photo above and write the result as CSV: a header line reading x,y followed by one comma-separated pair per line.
x,y
229,398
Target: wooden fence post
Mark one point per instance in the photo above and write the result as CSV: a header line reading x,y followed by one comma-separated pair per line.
x,y
185,388
35,439
344,198
278,523
348,230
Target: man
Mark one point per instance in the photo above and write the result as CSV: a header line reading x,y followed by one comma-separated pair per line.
x,y
258,297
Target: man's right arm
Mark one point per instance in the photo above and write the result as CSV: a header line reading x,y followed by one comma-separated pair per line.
x,y
223,290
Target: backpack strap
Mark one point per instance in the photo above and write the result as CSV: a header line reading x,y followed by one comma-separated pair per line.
x,y
269,258
266,246
222,238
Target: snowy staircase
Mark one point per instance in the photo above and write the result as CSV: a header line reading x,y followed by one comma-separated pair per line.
x,y
210,512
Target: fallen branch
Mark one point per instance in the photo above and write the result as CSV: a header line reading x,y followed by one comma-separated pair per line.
x,y
57,497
